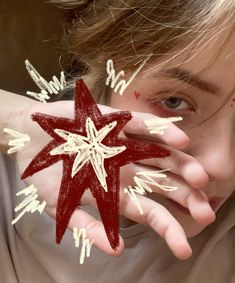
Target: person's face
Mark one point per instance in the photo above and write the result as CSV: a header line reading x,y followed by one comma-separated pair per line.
x,y
207,104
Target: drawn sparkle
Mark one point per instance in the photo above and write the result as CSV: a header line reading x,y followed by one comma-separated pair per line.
x,y
92,154
89,148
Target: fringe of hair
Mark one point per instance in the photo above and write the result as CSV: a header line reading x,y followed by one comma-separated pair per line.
x,y
127,31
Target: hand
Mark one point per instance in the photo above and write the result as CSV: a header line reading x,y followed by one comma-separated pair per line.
x,y
186,174
48,181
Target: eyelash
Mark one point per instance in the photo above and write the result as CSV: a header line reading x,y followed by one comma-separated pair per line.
x,y
164,111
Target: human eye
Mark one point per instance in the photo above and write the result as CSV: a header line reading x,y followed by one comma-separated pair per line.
x,y
173,105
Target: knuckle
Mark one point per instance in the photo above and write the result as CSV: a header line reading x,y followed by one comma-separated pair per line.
x,y
149,116
150,217
139,123
158,224
180,164
93,225
125,201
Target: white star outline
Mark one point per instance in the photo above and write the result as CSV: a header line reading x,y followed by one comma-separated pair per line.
x,y
88,148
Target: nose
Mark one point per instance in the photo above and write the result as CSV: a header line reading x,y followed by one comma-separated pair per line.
x,y
214,150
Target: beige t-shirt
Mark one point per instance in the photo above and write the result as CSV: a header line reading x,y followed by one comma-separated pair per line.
x,y
29,252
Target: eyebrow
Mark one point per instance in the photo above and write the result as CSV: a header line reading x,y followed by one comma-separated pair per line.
x,y
189,78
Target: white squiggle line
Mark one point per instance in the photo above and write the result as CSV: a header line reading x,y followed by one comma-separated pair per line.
x,y
112,78
51,87
158,125
29,204
88,148
18,143
142,185
132,191
86,243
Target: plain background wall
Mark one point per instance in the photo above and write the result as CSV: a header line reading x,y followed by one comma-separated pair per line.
x,y
29,29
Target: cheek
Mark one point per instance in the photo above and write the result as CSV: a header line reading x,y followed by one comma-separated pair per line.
x,y
132,100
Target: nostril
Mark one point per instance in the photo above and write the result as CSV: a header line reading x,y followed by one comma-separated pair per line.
x,y
220,172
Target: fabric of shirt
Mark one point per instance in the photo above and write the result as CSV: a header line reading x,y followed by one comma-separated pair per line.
x,y
29,252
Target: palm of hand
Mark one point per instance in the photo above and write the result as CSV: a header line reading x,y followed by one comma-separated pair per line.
x,y
46,181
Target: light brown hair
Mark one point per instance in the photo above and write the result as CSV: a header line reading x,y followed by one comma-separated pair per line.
x,y
127,31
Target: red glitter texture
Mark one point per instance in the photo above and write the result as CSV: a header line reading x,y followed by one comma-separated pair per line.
x,y
72,189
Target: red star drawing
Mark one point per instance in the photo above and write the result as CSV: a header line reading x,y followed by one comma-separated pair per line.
x,y
92,155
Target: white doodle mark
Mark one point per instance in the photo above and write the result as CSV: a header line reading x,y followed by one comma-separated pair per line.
x,y
112,78
29,204
89,148
142,181
51,87
158,125
86,243
18,143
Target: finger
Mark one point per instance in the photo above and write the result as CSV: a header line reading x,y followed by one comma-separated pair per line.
x,y
158,218
181,164
195,201
172,135
137,125
94,231
200,208
162,222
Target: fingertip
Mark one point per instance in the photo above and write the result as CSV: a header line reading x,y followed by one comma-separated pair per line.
x,y
119,249
211,217
180,247
185,252
200,208
206,217
176,137
182,250
196,175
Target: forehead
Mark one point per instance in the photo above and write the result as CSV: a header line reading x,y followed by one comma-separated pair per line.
x,y
215,62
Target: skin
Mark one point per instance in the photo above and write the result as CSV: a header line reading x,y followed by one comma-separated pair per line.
x,y
200,151
208,121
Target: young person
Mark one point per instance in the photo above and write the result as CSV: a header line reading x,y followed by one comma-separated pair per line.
x,y
190,73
